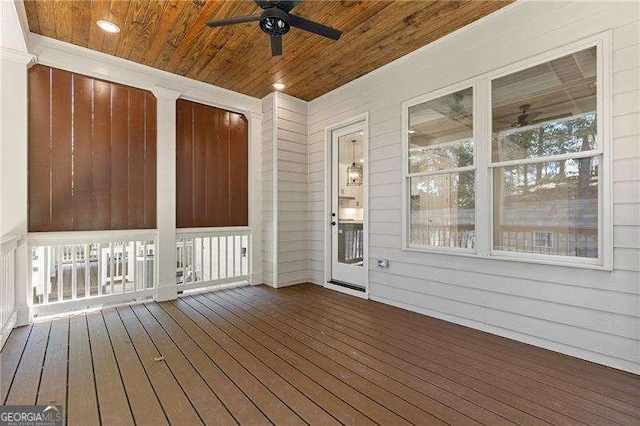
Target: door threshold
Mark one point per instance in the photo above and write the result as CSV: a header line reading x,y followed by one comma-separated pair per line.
x,y
347,285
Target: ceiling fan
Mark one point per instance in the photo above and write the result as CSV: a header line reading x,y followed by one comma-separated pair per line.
x,y
276,21
457,111
528,117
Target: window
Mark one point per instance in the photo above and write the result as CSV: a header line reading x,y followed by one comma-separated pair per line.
x,y
533,150
441,172
546,158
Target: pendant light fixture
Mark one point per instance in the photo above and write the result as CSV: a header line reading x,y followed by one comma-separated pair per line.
x,y
354,171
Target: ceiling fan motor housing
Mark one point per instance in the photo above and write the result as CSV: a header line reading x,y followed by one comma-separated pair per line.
x,y
275,22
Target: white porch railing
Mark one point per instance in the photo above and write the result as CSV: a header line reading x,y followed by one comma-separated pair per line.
x,y
76,270
212,256
7,286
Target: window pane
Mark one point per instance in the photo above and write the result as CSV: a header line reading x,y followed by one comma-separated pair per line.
x,y
549,109
443,210
548,208
441,133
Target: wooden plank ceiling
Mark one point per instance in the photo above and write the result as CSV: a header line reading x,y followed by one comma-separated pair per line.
x,y
171,35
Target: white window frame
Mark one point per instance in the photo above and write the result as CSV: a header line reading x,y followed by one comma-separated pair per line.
x,y
406,187
483,165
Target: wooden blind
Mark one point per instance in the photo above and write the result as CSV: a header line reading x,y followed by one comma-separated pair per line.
x,y
92,153
212,167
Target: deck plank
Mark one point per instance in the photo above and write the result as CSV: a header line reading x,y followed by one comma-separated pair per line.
x,y
177,406
207,319
355,397
53,384
546,402
26,382
218,369
145,406
569,368
112,399
456,396
473,345
10,358
308,411
405,402
82,400
198,391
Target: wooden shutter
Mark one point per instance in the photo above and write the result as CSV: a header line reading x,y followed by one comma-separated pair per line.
x,y
212,167
92,153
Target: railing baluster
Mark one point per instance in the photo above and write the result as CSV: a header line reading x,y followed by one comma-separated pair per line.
x,y
111,267
46,273
74,273
59,254
87,270
219,255
233,256
144,265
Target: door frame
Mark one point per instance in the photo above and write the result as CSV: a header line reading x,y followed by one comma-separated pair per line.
x,y
328,169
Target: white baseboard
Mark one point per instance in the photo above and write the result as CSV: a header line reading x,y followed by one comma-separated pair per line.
x,y
23,316
4,334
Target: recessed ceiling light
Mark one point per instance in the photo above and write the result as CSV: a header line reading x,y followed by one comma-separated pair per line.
x,y
361,132
108,26
278,86
411,131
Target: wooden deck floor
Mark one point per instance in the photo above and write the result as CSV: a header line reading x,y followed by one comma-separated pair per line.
x,y
300,355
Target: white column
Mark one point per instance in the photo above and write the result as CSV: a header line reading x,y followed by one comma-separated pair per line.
x,y
255,194
13,167
166,193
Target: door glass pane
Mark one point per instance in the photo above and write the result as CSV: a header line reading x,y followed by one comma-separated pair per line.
x,y
350,192
547,208
549,109
443,210
441,133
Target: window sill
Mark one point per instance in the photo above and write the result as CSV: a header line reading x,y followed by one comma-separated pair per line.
x,y
513,257
444,250
581,263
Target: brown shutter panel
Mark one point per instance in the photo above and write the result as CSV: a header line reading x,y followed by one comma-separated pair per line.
x,y
212,166
39,148
92,153
83,206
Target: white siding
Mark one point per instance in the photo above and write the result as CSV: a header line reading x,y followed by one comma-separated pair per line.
x,y
289,226
587,313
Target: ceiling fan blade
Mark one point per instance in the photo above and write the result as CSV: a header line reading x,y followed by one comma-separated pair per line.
x,y
236,20
265,4
276,46
288,5
314,27
555,117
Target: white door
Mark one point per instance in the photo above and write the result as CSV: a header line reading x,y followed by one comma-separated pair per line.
x,y
348,207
